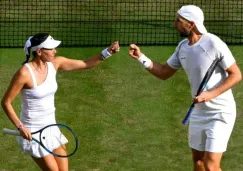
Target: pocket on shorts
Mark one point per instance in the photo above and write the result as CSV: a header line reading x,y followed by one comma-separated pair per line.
x,y
227,118
220,126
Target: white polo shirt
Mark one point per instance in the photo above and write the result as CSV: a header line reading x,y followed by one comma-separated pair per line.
x,y
196,59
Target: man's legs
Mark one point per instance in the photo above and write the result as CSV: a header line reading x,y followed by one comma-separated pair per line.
x,y
206,161
197,158
212,161
209,139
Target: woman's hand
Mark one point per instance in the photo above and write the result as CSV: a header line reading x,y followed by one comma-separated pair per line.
x,y
114,48
25,133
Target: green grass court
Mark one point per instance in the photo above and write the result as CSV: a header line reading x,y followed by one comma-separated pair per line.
x,y
125,118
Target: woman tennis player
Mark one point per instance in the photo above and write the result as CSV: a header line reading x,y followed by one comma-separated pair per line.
x,y
36,82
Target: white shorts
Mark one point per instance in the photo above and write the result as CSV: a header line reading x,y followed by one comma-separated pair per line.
x,y
211,132
36,150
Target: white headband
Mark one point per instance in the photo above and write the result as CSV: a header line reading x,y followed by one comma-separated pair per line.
x,y
194,14
49,43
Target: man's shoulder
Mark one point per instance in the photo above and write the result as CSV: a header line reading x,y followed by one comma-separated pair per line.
x,y
211,40
212,37
182,41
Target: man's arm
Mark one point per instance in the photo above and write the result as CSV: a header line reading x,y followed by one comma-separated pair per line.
x,y
234,77
162,71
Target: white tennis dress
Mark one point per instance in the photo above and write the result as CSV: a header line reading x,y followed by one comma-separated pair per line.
x,y
211,123
38,110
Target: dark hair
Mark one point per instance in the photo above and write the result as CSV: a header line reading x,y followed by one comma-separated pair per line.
x,y
38,39
35,41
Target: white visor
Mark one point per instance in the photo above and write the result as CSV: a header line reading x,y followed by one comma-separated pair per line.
x,y
49,43
194,14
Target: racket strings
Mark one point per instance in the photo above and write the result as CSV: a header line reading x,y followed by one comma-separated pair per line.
x,y
59,140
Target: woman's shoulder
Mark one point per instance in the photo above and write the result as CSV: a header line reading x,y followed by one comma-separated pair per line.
x,y
23,70
22,74
57,61
58,58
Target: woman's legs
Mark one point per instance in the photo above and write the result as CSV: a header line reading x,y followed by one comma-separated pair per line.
x,y
51,163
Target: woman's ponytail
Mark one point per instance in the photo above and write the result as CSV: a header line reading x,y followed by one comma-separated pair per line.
x,y
27,49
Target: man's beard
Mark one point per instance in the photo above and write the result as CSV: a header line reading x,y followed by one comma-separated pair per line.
x,y
185,34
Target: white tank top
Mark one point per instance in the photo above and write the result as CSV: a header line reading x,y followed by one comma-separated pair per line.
x,y
38,109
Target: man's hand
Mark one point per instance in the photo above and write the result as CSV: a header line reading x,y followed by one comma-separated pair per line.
x,y
205,96
134,51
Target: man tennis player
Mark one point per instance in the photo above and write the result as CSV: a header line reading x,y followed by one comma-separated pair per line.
x,y
36,82
213,117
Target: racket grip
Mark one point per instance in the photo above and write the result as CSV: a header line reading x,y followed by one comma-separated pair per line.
x,y
186,119
11,132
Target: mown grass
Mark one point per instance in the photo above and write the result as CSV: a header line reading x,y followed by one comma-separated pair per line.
x,y
125,119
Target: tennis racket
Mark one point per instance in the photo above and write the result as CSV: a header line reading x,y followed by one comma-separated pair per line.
x,y
51,137
202,86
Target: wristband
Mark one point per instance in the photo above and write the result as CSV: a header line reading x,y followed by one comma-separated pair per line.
x,y
20,126
145,61
105,54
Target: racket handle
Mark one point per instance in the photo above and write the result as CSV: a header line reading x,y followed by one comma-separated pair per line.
x,y
186,119
11,132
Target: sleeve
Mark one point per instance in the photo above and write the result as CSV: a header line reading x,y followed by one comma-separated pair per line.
x,y
174,61
224,51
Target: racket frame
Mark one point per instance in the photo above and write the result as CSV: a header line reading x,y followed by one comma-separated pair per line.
x,y
17,133
202,86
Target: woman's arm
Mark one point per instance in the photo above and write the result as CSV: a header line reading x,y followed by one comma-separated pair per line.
x,y
66,64
18,82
